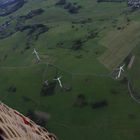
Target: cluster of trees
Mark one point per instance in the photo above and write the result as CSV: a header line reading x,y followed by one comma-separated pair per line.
x,y
72,8
60,44
48,89
92,34
134,4
111,0
9,7
81,101
32,14
61,2
77,44
99,104
34,31
5,30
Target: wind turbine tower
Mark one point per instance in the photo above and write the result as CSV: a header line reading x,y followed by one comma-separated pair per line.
x,y
36,53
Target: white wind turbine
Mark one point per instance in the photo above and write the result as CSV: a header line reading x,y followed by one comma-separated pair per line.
x,y
59,81
120,71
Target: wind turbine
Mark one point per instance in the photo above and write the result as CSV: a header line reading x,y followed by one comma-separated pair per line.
x,y
120,71
36,53
59,81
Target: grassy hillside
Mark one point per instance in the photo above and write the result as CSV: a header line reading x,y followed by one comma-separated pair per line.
x,y
82,43
120,43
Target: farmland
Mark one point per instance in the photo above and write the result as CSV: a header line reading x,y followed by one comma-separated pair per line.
x,y
119,44
83,42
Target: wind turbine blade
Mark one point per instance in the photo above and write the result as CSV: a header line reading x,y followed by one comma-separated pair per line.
x,y
60,83
119,74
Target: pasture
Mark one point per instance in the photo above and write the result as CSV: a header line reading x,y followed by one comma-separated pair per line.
x,y
83,48
119,44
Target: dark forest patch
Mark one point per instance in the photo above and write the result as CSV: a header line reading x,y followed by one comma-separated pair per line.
x,y
8,7
111,0
32,14
72,8
61,2
99,104
48,90
77,44
33,32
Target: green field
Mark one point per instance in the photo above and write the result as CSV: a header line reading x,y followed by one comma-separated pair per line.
x,y
108,33
120,44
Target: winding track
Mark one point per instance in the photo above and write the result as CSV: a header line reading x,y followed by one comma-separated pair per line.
x,y
57,67
130,88
44,72
63,124
131,92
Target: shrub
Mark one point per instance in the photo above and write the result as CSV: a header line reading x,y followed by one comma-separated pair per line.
x,y
48,89
99,104
80,101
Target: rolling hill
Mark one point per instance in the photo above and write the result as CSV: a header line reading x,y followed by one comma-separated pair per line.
x,y
83,41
